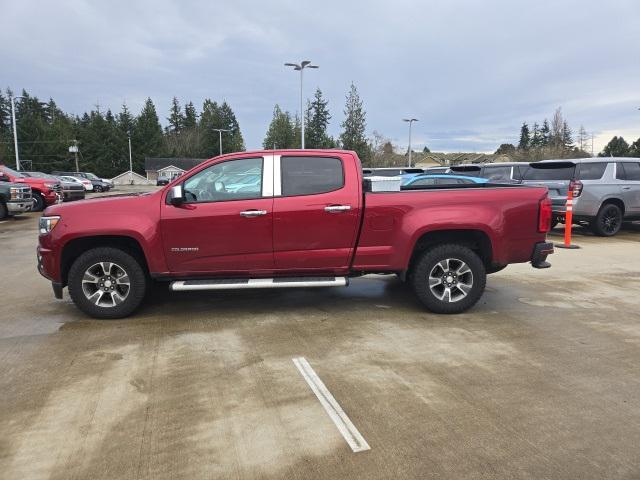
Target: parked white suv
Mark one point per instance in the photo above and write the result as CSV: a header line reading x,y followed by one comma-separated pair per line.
x,y
606,191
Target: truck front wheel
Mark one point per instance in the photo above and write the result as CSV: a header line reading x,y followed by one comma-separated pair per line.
x,y
38,202
449,278
107,283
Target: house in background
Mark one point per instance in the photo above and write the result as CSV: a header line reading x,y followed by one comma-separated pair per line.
x,y
168,167
131,178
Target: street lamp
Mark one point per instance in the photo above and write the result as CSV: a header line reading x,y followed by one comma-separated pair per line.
x,y
130,160
410,120
220,130
300,67
15,131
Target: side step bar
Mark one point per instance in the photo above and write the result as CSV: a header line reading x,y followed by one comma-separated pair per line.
x,y
244,283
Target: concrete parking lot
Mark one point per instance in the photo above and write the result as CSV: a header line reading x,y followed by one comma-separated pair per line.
x,y
539,380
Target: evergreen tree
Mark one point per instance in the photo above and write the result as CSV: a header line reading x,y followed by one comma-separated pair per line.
x,y
146,138
281,132
634,149
210,118
176,118
232,141
125,120
426,150
536,138
318,120
525,139
567,136
617,147
545,134
354,126
190,116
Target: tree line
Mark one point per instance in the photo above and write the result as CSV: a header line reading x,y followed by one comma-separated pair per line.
x,y
555,139
45,134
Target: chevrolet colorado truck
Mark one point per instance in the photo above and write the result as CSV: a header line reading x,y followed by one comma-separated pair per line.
x,y
44,191
311,221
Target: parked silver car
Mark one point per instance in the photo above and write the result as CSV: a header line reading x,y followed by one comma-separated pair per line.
x,y
606,191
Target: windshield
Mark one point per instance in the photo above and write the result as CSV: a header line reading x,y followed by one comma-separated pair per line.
x,y
12,172
91,176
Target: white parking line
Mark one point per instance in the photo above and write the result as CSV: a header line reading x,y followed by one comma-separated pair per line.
x,y
348,430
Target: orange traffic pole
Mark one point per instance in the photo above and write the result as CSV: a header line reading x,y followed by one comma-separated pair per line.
x,y
568,221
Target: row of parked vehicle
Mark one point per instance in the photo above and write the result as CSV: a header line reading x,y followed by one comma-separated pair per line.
x,y
24,191
605,191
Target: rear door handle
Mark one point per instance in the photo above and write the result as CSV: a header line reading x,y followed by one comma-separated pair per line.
x,y
252,213
337,208
626,188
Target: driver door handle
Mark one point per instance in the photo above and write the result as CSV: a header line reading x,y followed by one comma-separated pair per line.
x,y
252,213
337,208
626,188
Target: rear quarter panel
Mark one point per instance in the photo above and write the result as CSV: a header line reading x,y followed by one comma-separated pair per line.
x,y
394,221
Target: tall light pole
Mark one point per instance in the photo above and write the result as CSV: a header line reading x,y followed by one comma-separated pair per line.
x,y
15,131
410,121
130,160
300,67
220,130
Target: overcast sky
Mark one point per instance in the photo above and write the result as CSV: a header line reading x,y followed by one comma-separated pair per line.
x,y
471,71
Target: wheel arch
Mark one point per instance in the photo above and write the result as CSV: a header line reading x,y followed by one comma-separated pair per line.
x,y
615,201
76,247
476,240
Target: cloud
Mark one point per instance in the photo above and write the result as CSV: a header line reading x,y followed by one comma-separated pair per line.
x,y
470,71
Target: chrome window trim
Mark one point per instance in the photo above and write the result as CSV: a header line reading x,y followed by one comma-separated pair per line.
x,y
267,176
277,177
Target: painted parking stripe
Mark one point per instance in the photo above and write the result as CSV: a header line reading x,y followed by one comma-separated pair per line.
x,y
348,430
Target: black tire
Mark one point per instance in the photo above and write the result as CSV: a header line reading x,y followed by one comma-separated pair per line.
x,y
79,290
608,220
554,222
4,213
98,188
430,262
38,202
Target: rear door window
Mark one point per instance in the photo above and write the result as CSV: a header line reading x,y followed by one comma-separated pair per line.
x,y
565,173
497,173
628,171
591,171
310,175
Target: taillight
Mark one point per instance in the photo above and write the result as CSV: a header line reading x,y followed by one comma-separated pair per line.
x,y
544,215
576,188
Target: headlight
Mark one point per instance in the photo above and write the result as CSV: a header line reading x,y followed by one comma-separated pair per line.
x,y
13,191
50,186
48,223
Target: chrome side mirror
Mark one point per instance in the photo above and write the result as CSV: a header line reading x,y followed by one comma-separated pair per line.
x,y
177,195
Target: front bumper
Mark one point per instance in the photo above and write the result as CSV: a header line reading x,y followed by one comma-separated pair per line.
x,y
19,206
540,253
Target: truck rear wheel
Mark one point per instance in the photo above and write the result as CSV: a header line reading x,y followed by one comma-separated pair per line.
x,y
107,283
4,213
449,278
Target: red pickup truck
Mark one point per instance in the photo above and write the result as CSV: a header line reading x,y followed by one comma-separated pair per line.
x,y
44,191
289,218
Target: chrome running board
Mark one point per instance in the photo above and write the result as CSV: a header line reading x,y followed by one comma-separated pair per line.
x,y
244,283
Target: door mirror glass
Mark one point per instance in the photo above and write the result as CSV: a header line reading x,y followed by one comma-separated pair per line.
x,y
177,196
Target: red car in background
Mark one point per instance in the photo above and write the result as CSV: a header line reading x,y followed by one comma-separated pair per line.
x,y
45,191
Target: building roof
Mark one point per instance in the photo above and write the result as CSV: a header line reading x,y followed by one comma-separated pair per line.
x,y
155,164
128,174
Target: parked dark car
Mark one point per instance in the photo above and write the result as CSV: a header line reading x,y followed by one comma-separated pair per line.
x,y
15,198
70,191
99,185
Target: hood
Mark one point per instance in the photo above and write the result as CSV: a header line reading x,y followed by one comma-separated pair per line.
x,y
106,204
